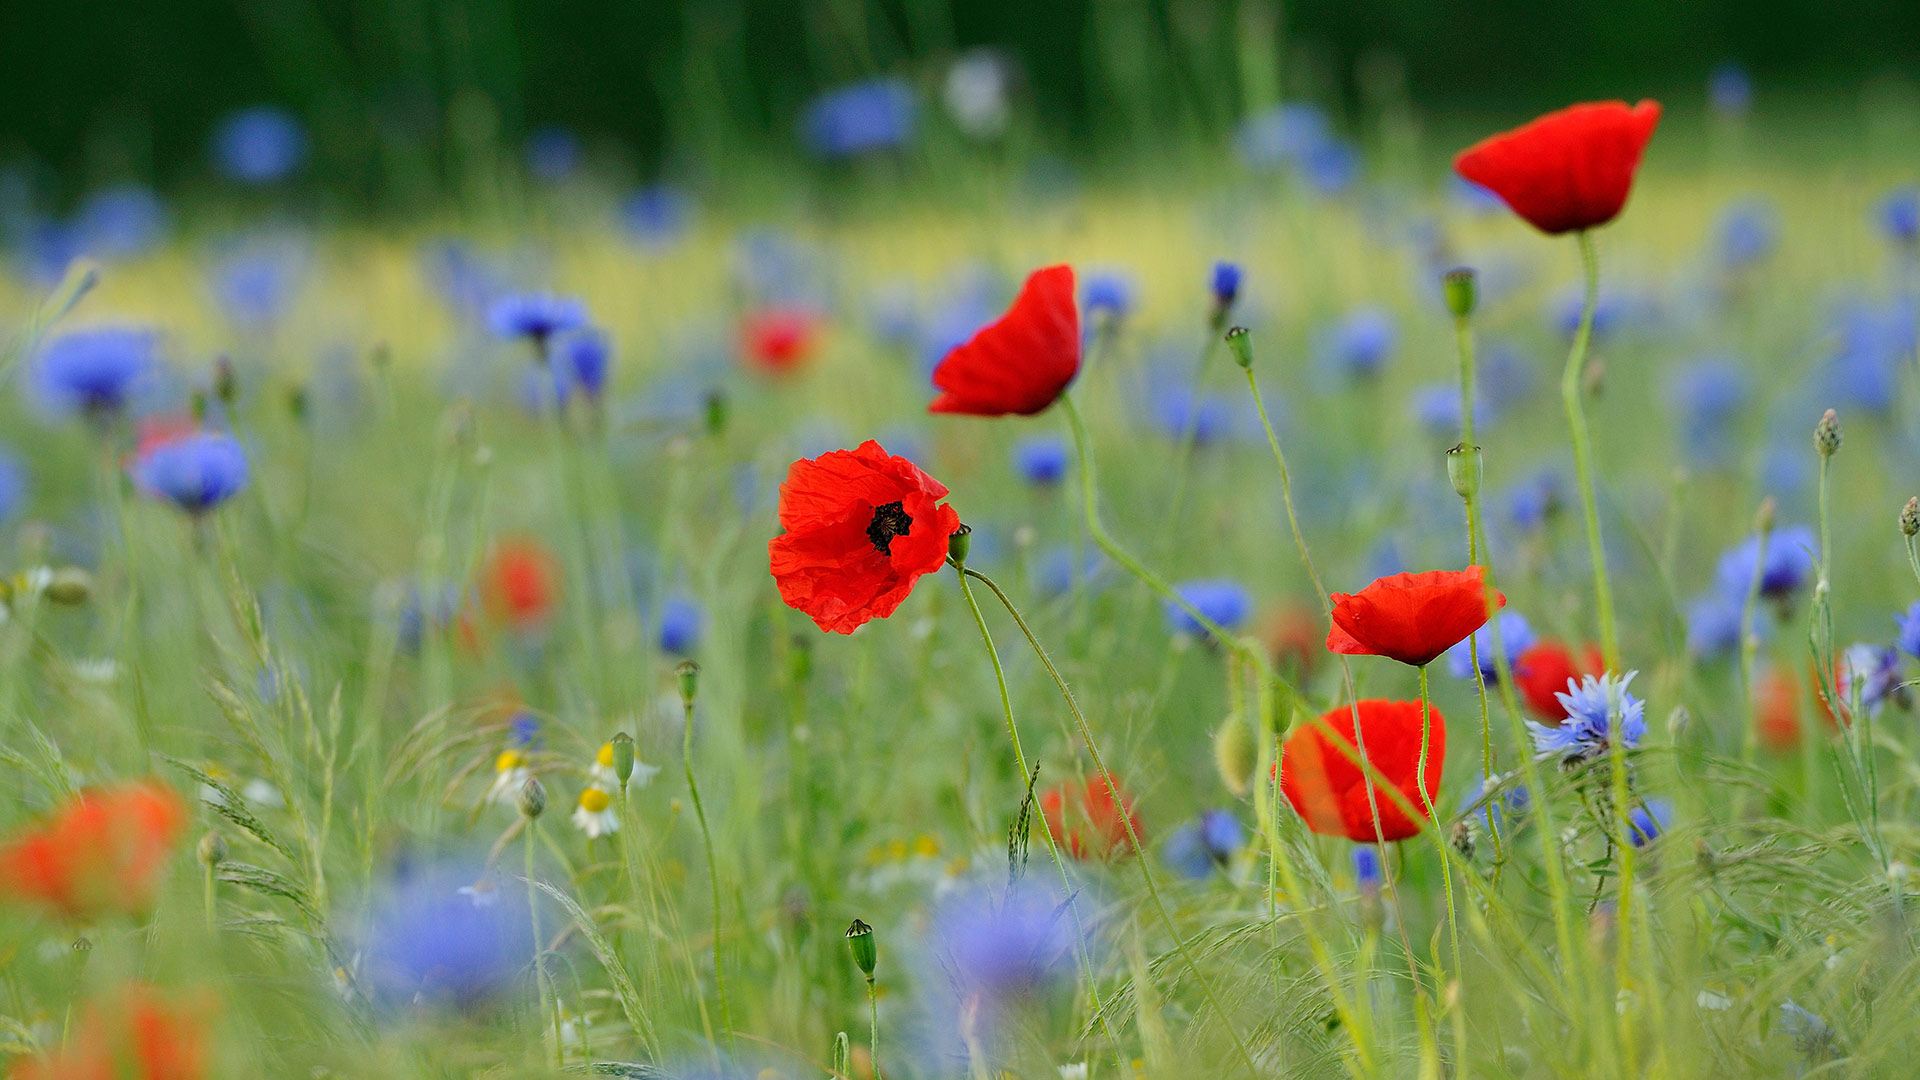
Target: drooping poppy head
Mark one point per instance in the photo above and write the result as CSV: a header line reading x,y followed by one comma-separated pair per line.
x,y
1568,170
137,1034
1541,673
779,340
1412,618
104,853
1327,788
861,527
522,583
1085,821
1021,363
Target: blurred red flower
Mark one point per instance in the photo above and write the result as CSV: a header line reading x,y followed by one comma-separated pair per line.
x,y
103,853
1543,671
1082,819
1412,618
861,527
777,340
1567,170
1327,788
1021,363
1777,710
138,1035
1293,640
522,583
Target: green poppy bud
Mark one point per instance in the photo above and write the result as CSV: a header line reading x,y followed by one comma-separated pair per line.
x,y
959,544
860,943
689,675
1463,470
1240,343
622,744
1459,285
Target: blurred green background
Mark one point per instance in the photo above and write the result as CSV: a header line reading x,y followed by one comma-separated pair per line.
x,y
401,96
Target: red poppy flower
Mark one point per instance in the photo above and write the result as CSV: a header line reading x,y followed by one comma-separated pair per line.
x,y
1412,618
137,1036
1082,819
1327,788
522,583
777,340
1021,363
1567,170
1542,672
1293,640
104,853
861,527
1777,710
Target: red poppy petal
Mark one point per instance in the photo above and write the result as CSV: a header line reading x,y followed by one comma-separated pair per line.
x,y
1020,363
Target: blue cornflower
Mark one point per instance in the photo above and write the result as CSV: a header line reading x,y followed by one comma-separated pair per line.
x,y
121,221
1280,135
1809,1033
1648,820
259,145
1515,633
1610,310
537,317
1505,377
657,216
878,114
1330,166
1533,500
1002,946
1437,407
1868,674
1060,568
1107,292
523,729
1204,844
444,932
681,622
1359,344
1493,809
1225,602
1709,395
1713,624
13,484
1730,89
553,154
93,371
1749,230
1180,412
1788,564
255,283
1874,340
195,472
1899,215
1588,729
584,357
1907,640
1041,459
1366,867
1225,284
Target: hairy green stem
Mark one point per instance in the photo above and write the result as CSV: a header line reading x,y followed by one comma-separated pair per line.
x,y
713,872
1570,391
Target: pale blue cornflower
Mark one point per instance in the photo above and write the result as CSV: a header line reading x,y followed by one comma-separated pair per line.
x,y
1907,640
1515,633
1593,705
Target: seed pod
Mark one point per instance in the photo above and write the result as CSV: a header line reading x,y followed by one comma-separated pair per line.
x,y
622,744
1463,470
1459,286
960,544
860,943
1240,343
689,676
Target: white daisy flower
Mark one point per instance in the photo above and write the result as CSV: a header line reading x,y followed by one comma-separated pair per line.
x,y
595,815
510,773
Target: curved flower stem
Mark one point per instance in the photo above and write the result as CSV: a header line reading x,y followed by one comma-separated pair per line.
x,y
1420,781
1126,817
1053,848
713,871
1470,499
1570,380
549,1008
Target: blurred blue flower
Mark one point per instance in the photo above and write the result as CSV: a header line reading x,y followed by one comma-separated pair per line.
x,y
1515,633
1874,341
584,358
552,154
468,282
858,119
1366,867
1280,136
1181,412
1610,312
523,729
1002,946
536,317
120,222
93,371
1330,166
1225,284
1748,232
1533,499
1107,292
1867,673
1474,198
422,612
656,217
1359,344
259,145
48,248
1810,1034
1648,820
1730,89
1907,639
1587,731
1899,215
1041,460
1059,569
1436,406
681,622
255,282
1713,625
13,484
1226,603
194,472
445,932
1492,811
1504,378
1709,395
1788,563
1205,844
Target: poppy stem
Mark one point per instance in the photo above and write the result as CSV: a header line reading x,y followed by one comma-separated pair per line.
x,y
1470,500
713,868
1426,796
1053,847
1570,389
873,1027
1126,817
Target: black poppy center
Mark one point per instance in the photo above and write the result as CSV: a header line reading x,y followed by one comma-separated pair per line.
x,y
889,521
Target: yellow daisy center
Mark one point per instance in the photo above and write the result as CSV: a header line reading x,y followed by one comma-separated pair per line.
x,y
593,800
605,756
508,759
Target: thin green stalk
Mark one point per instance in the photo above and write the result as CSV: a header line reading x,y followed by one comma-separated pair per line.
x,y
548,1006
873,1028
1470,500
713,872
1126,819
1570,380
1420,781
1750,740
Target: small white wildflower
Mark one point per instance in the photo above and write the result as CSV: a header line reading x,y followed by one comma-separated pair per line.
x,y
1713,1000
1075,1071
510,773
595,815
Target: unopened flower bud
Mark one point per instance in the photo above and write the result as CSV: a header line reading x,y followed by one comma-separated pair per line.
x,y
213,849
533,798
622,744
1463,470
1233,754
860,943
1826,434
1460,289
69,585
959,544
1910,517
1240,343
689,675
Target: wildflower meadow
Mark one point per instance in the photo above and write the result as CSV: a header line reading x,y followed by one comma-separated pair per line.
x,y
1359,596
